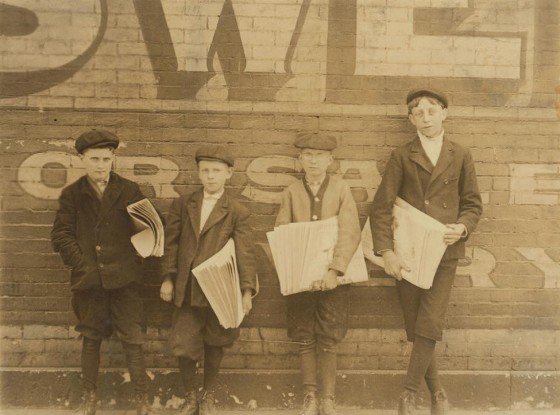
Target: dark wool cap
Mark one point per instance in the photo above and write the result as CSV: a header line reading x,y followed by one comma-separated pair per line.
x,y
214,153
427,92
315,141
95,139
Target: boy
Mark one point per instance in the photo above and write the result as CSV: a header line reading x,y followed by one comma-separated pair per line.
x,y
197,227
318,319
92,233
437,177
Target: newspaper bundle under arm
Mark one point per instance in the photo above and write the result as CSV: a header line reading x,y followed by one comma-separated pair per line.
x,y
418,241
218,278
303,251
148,241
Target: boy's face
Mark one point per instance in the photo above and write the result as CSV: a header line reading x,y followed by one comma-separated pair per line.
x,y
213,175
428,117
315,162
98,162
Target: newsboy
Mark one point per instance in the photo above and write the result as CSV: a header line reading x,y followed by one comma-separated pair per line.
x,y
436,176
198,226
92,233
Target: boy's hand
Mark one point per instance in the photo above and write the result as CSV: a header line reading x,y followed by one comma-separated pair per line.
x,y
393,265
166,290
454,232
329,280
317,285
247,301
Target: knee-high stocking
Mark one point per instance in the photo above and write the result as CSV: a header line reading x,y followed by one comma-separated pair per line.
x,y
90,362
420,358
213,356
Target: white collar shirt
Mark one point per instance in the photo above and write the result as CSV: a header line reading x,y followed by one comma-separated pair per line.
x,y
98,186
208,203
432,146
315,186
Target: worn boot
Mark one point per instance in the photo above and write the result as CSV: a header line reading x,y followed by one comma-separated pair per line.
x,y
310,406
326,406
190,407
407,403
89,404
207,404
440,404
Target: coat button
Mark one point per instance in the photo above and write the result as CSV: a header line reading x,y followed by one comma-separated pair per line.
x,y
98,248
314,217
444,205
426,202
316,199
446,181
101,265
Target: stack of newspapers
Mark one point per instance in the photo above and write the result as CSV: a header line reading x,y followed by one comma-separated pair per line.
x,y
418,243
218,278
303,251
148,241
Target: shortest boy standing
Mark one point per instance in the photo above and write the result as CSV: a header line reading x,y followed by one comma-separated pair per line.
x,y
197,227
318,319
92,231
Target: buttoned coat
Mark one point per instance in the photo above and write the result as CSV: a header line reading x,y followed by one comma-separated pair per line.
x,y
93,237
447,191
186,246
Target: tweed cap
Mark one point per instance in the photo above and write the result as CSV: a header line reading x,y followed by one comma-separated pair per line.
x,y
214,153
95,139
427,92
315,141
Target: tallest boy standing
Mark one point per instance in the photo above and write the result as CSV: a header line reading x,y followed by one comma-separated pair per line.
x,y
436,176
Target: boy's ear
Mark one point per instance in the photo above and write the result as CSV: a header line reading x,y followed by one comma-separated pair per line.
x,y
230,172
411,119
444,113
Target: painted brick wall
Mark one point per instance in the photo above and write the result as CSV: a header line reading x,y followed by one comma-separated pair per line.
x,y
167,76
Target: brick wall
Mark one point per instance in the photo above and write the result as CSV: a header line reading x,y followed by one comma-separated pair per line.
x,y
168,76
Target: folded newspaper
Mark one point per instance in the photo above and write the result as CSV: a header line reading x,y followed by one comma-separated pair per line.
x,y
148,241
418,242
219,280
303,251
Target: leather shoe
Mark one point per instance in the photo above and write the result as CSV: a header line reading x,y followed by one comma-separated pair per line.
x,y
440,404
207,404
143,406
309,404
190,407
89,404
326,406
407,403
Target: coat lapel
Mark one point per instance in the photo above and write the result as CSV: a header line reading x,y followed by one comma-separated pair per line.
x,y
444,160
418,156
220,210
194,205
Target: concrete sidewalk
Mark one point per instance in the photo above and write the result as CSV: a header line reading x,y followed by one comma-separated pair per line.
x,y
342,411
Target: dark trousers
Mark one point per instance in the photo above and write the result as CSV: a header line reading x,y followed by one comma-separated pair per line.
x,y
424,310
424,314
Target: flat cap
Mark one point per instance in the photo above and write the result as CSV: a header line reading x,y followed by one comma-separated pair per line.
x,y
427,92
95,139
214,153
315,141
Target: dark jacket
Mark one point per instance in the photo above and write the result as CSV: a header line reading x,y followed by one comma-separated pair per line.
x,y
447,192
186,247
93,237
